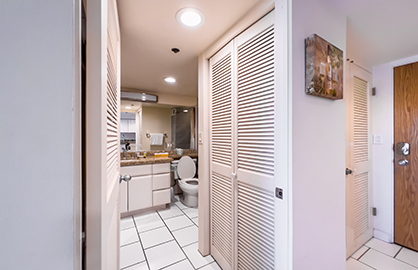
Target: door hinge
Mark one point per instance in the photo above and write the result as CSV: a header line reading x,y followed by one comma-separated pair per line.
x,y
279,193
374,211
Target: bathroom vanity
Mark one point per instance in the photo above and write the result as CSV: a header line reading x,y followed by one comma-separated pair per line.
x,y
149,186
151,179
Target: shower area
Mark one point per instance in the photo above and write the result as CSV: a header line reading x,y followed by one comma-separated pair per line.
x,y
183,128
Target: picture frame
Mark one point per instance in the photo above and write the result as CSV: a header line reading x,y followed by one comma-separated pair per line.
x,y
324,71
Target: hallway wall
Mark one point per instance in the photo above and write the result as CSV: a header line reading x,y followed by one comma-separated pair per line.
x,y
383,186
39,148
318,148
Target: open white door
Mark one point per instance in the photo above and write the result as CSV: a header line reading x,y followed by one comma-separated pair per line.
x,y
359,165
102,135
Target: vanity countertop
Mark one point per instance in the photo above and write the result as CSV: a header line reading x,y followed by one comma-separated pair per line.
x,y
153,160
143,161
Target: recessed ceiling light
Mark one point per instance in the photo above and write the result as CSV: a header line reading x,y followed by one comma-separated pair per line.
x,y
170,80
128,107
190,17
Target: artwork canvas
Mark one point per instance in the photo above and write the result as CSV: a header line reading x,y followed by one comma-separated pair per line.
x,y
324,68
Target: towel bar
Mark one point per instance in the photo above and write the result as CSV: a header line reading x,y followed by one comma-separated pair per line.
x,y
148,135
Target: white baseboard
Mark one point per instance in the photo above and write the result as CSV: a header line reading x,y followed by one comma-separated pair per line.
x,y
387,237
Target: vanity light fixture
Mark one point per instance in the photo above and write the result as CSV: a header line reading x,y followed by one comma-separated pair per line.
x,y
170,79
185,110
190,17
128,107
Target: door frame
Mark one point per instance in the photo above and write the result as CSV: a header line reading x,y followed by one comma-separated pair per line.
x,y
283,159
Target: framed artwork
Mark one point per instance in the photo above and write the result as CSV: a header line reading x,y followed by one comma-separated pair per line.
x,y
324,68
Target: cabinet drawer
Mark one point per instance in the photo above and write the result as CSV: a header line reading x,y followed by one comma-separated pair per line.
x,y
161,197
140,192
160,181
136,170
161,168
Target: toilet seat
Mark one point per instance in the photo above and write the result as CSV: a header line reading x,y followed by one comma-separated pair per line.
x,y
186,168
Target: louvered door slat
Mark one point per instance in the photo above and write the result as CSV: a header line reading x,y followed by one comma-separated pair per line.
x,y
361,127
251,109
255,228
112,107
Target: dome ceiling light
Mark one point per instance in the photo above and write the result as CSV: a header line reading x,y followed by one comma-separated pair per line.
x,y
190,17
170,80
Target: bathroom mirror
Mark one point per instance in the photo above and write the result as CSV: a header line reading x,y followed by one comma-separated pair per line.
x,y
139,121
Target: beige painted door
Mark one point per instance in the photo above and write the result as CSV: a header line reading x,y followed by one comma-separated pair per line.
x,y
359,173
102,135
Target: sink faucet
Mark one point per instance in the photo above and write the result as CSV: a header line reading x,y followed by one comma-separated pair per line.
x,y
124,153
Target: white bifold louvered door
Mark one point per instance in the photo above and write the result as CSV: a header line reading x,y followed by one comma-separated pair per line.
x,y
102,135
222,160
358,183
242,150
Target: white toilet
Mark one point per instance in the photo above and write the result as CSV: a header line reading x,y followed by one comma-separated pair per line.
x,y
186,170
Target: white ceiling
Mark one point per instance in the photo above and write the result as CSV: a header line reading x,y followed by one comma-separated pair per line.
x,y
384,30
149,30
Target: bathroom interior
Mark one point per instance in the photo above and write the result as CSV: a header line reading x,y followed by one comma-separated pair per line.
x,y
159,199
158,154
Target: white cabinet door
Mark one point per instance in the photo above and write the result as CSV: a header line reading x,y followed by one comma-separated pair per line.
x,y
123,199
140,192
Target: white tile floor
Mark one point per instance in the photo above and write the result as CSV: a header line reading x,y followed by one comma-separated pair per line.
x,y
165,239
380,255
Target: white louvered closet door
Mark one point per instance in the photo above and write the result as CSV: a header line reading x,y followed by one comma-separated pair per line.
x,y
359,199
242,150
255,146
221,78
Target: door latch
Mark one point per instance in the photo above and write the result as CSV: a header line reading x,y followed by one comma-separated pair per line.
x,y
279,193
348,171
403,148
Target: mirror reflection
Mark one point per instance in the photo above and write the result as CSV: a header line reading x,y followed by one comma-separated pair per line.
x,y
150,127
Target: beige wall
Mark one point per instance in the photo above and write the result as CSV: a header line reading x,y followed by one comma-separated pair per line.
x,y
155,120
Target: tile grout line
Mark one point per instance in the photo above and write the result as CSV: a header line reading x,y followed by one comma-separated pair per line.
x,y
171,232
399,251
191,219
368,248
186,214
187,258
390,257
175,237
368,265
142,246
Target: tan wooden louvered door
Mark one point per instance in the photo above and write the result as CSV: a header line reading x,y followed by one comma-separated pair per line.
x,y
242,150
222,211
102,135
358,183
